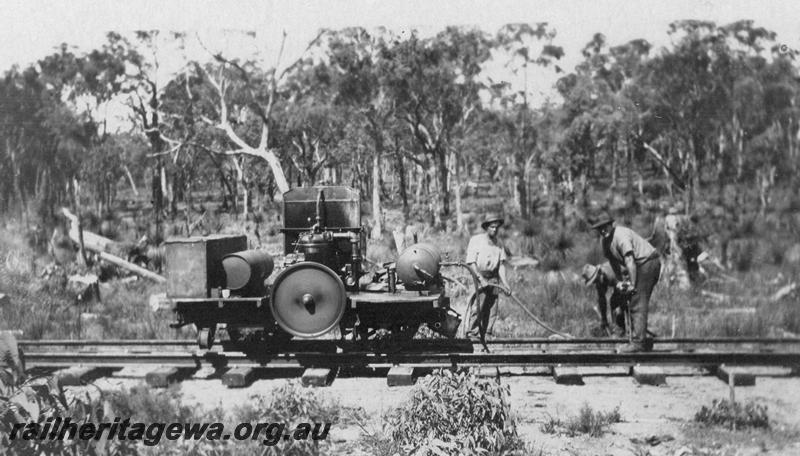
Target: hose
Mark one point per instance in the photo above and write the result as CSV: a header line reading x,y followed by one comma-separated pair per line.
x,y
536,319
474,297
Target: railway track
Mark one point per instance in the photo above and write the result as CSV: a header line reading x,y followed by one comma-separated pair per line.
x,y
785,341
172,360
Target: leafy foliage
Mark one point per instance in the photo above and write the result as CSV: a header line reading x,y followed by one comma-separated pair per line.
x,y
35,401
455,413
291,403
143,404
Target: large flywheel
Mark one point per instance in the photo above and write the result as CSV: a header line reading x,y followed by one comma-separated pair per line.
x,y
308,299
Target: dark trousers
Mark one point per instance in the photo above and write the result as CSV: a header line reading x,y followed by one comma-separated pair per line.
x,y
646,279
619,305
484,313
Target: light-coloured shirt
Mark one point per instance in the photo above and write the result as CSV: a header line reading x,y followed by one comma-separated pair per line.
x,y
625,241
485,253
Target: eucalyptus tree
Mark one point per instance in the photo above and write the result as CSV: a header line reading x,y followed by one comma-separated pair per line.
x,y
435,85
256,89
522,46
693,91
362,95
599,117
56,124
29,145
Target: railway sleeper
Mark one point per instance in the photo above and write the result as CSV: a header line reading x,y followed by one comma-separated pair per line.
x,y
162,377
567,375
239,377
82,375
736,376
318,376
401,376
648,375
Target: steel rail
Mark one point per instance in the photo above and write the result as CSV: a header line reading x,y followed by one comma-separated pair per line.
x,y
509,341
582,358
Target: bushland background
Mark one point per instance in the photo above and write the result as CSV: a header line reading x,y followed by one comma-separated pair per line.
x,y
706,126
705,129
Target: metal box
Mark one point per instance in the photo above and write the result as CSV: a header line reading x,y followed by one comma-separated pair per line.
x,y
194,264
340,211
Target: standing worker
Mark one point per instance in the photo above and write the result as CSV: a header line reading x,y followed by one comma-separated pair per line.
x,y
623,248
486,258
604,278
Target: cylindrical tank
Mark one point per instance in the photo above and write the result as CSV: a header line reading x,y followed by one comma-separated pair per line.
x,y
417,261
245,271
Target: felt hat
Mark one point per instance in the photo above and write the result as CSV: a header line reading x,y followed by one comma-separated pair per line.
x,y
600,220
492,217
589,274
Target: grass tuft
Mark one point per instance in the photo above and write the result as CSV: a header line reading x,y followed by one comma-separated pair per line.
x,y
733,415
586,422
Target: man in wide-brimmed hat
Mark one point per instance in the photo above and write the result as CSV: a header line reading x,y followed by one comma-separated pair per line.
x,y
626,250
486,257
603,278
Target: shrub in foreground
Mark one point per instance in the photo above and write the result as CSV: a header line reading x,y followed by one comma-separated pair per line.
x,y
734,415
455,414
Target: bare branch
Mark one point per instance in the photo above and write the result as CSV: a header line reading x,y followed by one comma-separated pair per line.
x,y
678,180
299,147
296,164
299,60
166,152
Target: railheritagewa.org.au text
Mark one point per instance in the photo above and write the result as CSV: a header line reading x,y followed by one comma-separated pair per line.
x,y
56,428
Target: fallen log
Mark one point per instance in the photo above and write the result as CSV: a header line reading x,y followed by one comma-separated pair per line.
x,y
91,241
140,271
100,245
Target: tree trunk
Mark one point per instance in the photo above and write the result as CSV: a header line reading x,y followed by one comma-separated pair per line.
x,y
520,185
694,180
130,180
629,186
401,173
157,193
15,169
444,187
584,201
613,169
640,183
456,162
422,178
377,214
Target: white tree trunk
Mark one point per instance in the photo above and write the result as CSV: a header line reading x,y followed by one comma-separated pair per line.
x,y
456,162
377,214
130,180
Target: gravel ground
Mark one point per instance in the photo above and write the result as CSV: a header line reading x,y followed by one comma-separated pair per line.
x,y
656,420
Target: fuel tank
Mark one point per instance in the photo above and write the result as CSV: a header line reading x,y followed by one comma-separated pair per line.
x,y
419,264
246,271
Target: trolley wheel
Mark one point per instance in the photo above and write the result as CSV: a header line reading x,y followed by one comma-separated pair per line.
x,y
308,299
205,338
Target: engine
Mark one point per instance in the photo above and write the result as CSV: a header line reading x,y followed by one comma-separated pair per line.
x,y
320,285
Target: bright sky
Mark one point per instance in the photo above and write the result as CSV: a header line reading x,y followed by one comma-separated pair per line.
x,y
29,29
